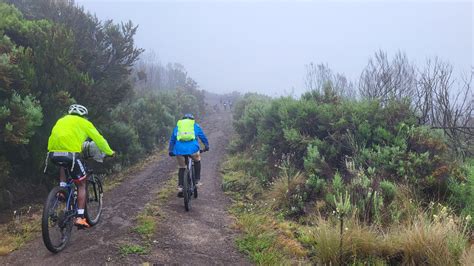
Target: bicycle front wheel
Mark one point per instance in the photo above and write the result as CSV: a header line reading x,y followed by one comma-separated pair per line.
x,y
94,200
57,220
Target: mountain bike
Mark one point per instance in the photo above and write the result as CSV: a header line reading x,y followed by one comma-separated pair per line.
x,y
190,189
60,210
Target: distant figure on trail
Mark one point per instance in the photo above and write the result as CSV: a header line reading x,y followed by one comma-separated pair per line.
x,y
225,106
65,145
230,105
184,141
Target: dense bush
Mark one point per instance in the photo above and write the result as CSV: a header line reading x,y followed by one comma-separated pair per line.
x,y
374,147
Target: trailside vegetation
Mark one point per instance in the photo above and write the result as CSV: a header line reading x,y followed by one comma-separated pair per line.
x,y
329,179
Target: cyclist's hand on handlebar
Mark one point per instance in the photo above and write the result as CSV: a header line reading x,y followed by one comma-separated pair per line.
x,y
206,148
171,154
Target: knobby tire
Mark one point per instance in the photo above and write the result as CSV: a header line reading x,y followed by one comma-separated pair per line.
x,y
55,220
94,202
186,191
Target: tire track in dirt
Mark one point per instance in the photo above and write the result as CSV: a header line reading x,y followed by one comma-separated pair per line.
x,y
203,232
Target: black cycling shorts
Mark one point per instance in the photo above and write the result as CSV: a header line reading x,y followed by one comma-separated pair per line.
x,y
65,159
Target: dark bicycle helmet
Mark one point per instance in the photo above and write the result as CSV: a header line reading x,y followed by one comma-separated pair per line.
x,y
188,116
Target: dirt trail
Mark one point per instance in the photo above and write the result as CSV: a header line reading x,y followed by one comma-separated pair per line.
x,y
201,236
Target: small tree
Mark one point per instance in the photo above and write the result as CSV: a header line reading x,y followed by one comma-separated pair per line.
x,y
384,80
320,78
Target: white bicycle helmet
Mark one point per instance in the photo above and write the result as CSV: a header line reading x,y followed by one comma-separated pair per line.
x,y
77,109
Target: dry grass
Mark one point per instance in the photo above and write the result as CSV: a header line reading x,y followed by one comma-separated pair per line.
x,y
359,242
438,242
467,257
25,225
282,190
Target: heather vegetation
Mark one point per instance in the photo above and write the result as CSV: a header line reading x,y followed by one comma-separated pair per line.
x,y
335,179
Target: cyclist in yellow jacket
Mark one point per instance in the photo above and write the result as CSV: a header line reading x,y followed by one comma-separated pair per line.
x,y
65,145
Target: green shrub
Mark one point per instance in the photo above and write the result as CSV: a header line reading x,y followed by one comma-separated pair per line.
x,y
389,191
462,193
337,184
248,114
316,186
123,137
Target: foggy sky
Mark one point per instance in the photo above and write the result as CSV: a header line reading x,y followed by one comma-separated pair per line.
x,y
263,46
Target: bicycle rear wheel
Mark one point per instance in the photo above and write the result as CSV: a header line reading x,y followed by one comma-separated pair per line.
x,y
57,220
94,200
187,191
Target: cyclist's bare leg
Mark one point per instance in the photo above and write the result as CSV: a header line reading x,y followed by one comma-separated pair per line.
x,y
62,181
81,194
62,174
81,204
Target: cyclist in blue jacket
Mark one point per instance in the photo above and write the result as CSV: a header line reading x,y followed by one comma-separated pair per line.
x,y
184,141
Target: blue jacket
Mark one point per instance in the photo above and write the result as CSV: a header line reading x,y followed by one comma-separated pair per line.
x,y
187,147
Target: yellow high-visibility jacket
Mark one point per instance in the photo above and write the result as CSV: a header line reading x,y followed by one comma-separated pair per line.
x,y
71,131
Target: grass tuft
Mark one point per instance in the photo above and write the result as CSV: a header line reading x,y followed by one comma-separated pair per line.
x,y
146,225
127,249
433,242
467,257
284,193
267,241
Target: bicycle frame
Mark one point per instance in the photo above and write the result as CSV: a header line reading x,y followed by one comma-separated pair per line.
x,y
72,198
71,195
